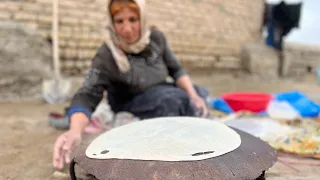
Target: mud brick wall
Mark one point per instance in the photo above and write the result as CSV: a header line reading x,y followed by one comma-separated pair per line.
x,y
303,59
203,33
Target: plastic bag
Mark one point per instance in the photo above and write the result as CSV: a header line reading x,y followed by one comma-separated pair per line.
x,y
264,128
282,110
300,102
104,113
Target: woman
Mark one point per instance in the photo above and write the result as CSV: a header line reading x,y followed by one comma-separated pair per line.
x,y
132,66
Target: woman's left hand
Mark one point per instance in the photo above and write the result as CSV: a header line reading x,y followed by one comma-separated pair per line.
x,y
200,104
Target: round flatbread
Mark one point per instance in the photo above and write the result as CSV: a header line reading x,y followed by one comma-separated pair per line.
x,y
166,139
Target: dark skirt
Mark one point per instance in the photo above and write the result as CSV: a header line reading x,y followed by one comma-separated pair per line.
x,y
159,101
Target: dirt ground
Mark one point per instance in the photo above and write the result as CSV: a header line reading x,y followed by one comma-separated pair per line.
x,y
27,140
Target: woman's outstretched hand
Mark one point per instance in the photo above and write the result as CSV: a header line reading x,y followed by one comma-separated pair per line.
x,y
201,105
68,141
63,147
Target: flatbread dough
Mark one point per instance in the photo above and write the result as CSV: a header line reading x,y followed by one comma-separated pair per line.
x,y
166,139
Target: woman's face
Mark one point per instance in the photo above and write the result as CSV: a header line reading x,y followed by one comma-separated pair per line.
x,y
127,25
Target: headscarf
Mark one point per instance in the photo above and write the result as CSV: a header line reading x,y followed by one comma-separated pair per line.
x,y
117,46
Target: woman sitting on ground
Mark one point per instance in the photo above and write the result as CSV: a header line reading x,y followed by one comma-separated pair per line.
x,y
132,66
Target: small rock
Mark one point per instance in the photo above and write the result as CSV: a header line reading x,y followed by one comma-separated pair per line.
x,y
60,175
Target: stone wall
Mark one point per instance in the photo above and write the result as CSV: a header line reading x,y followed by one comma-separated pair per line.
x,y
203,33
303,59
79,25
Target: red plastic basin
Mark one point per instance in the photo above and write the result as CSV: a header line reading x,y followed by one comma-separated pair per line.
x,y
248,101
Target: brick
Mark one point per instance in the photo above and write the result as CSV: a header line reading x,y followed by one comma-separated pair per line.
x,y
69,4
45,2
90,6
69,64
95,36
31,25
31,7
45,27
69,20
83,54
44,19
72,44
65,35
227,65
43,33
82,44
71,53
66,29
47,10
229,59
72,12
88,63
62,43
5,15
10,6
76,29
96,16
77,36
24,16
85,28
85,22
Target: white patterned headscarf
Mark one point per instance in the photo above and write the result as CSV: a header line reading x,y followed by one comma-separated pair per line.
x,y
114,42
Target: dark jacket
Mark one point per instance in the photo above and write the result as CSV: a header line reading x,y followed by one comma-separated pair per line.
x,y
150,67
